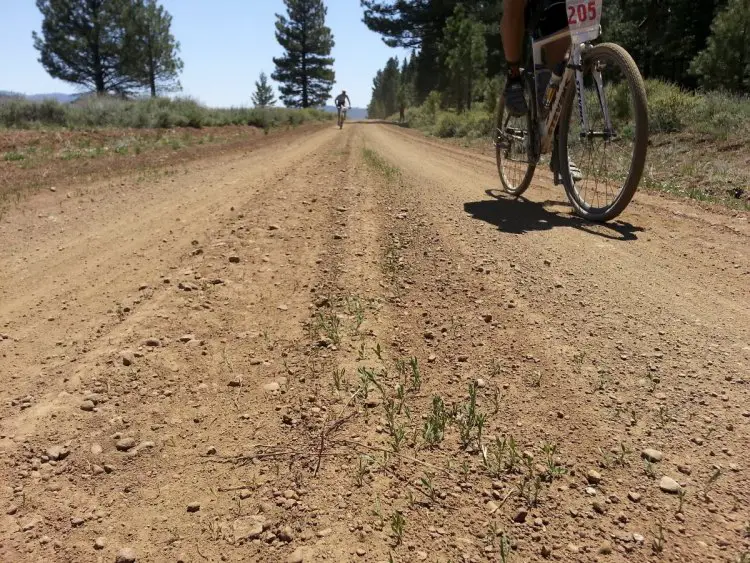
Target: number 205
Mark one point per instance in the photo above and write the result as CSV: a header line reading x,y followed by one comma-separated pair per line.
x,y
582,13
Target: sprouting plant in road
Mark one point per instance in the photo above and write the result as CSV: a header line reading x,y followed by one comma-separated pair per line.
x,y
401,369
553,469
493,456
367,377
648,468
505,548
398,523
602,381
363,468
330,324
469,419
465,471
711,482
621,455
536,379
578,359
361,354
528,488
429,487
513,456
416,376
434,426
390,414
338,378
659,539
398,434
378,351
401,396
681,495
495,399
664,416
357,310
378,511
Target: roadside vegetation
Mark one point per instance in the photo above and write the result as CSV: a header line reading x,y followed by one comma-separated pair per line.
x,y
149,113
696,74
698,146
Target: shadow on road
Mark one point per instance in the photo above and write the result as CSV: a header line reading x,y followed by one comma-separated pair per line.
x,y
404,125
520,215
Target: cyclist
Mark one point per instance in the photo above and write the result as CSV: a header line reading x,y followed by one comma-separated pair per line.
x,y
341,101
512,28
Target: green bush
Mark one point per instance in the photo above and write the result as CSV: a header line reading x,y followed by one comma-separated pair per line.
x,y
671,109
161,113
447,125
669,106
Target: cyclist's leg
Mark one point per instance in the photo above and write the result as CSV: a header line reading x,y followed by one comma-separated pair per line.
x,y
512,28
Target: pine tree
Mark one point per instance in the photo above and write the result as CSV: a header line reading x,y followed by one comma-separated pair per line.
x,y
263,95
82,42
465,54
386,90
305,70
151,51
725,62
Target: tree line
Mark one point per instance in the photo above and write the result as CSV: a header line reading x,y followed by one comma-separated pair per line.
x,y
457,52
109,46
126,47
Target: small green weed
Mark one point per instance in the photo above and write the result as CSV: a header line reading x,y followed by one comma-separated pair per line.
x,y
398,524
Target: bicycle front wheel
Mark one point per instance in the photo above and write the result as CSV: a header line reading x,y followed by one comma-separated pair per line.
x,y
602,166
513,149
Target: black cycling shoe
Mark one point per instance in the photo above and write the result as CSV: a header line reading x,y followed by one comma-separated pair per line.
x,y
515,101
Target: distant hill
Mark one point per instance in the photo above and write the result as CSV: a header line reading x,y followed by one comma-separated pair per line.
x,y
62,98
354,113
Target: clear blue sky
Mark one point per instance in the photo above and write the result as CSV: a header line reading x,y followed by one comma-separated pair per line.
x,y
225,45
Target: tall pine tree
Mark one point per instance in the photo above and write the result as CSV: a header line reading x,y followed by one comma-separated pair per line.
x,y
151,52
725,63
263,96
305,71
82,42
465,55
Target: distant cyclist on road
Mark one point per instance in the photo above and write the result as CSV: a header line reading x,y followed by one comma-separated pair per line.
x,y
341,101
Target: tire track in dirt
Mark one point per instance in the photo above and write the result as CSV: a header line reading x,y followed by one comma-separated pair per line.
x,y
662,343
169,392
67,286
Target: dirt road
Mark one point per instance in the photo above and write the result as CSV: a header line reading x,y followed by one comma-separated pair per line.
x,y
338,346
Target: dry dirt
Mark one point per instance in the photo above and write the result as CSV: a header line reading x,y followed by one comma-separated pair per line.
x,y
239,359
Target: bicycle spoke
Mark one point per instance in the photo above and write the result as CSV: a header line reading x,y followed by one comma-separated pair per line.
x,y
604,152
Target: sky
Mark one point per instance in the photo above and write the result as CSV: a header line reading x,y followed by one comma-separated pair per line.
x,y
225,44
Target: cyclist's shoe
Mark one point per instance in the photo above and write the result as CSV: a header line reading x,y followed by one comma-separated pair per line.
x,y
515,101
575,172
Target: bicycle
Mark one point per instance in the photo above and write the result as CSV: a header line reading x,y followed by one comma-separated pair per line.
x,y
342,116
612,109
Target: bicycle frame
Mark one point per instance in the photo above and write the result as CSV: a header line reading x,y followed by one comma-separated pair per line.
x,y
581,31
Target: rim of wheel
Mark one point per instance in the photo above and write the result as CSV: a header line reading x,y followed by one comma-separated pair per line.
x,y
604,156
511,146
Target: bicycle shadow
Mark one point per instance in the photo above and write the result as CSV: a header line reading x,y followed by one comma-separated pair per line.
x,y
518,215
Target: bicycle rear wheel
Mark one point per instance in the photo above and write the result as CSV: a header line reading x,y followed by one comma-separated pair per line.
x,y
610,159
514,149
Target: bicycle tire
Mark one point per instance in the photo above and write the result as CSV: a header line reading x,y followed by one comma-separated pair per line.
x,y
530,165
640,108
